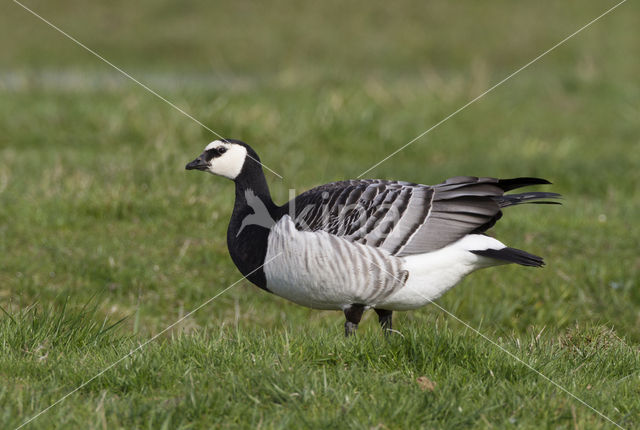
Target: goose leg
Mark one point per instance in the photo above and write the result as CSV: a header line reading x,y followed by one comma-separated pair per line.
x,y
384,318
353,314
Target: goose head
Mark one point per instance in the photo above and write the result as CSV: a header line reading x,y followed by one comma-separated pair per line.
x,y
225,157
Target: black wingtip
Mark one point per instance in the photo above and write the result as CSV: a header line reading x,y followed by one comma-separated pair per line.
x,y
545,203
513,183
530,197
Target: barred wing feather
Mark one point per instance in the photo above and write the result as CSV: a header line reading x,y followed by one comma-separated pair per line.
x,y
405,218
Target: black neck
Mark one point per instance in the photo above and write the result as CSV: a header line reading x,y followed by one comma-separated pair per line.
x,y
252,177
248,243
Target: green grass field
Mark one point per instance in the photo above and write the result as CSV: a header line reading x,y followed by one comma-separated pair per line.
x,y
105,240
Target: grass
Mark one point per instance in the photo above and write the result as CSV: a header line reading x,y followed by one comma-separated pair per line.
x,y
105,240
431,376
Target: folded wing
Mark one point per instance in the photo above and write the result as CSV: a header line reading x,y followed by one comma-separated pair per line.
x,y
405,218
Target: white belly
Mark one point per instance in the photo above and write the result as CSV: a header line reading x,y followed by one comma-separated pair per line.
x,y
323,271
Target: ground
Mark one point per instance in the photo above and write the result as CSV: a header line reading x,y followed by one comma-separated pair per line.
x,y
105,240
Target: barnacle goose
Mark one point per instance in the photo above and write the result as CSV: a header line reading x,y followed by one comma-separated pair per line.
x,y
360,244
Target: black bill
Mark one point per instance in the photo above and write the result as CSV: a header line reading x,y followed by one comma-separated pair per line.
x,y
197,164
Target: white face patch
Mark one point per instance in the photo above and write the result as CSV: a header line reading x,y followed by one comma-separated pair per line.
x,y
230,163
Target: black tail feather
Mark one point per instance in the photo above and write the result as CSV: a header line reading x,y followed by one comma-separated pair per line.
x,y
512,255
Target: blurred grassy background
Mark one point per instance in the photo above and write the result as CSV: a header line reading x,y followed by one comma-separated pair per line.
x,y
94,201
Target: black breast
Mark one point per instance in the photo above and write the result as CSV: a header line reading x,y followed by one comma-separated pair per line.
x,y
248,249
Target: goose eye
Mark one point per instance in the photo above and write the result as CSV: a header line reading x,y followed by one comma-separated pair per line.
x,y
222,150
